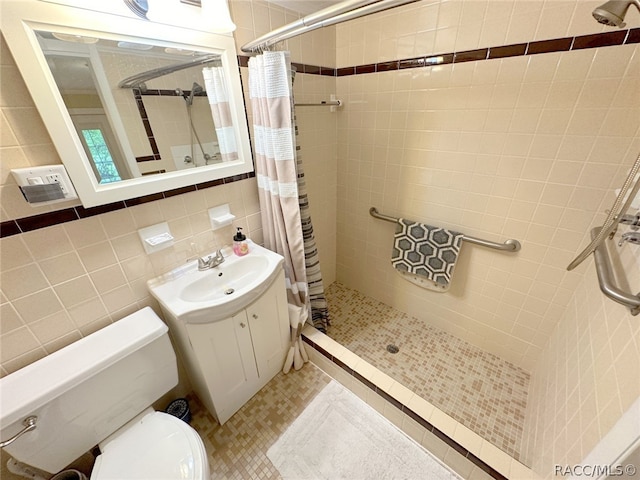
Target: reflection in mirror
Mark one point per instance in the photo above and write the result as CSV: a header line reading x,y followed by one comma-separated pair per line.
x,y
75,78
121,140
141,109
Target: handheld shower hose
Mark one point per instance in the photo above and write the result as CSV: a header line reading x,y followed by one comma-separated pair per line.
x,y
611,222
612,13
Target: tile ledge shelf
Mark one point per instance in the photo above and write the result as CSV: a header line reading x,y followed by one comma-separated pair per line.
x,y
479,451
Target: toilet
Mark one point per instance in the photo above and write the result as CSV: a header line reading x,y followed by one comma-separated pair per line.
x,y
99,391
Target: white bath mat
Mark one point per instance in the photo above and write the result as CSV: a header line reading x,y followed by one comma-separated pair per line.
x,y
338,436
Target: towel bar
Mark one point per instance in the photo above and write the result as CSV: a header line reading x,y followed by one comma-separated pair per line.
x,y
603,269
324,103
510,245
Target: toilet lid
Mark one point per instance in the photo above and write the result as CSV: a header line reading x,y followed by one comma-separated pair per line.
x,y
156,447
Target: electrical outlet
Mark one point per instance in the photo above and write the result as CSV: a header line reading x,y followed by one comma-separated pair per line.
x,y
57,178
54,178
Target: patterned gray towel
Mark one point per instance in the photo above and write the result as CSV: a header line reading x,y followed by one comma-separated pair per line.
x,y
426,251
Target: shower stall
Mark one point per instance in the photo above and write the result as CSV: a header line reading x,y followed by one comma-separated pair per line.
x,y
491,119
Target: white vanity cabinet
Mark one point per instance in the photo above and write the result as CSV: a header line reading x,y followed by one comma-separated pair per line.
x,y
229,360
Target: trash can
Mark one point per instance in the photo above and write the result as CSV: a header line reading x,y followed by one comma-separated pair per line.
x,y
180,408
69,475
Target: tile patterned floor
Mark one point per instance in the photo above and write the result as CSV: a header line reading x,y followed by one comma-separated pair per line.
x,y
478,389
237,450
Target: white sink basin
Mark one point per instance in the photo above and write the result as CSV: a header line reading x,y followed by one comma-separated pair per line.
x,y
207,296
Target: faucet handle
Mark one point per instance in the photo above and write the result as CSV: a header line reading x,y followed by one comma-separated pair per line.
x,y
203,264
631,237
632,220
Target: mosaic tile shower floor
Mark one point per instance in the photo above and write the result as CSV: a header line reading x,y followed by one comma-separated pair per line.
x,y
478,389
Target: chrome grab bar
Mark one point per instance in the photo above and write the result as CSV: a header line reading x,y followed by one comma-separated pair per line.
x,y
510,245
29,424
324,103
605,278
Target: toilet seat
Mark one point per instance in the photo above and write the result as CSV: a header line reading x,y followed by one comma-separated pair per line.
x,y
153,446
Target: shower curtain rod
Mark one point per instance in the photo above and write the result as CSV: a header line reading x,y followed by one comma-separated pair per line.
x,y
135,80
338,13
510,245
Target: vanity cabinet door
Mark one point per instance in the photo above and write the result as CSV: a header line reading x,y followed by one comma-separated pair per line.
x,y
240,354
268,317
226,358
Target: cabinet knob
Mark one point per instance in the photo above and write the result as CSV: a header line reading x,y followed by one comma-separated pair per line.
x,y
254,315
242,324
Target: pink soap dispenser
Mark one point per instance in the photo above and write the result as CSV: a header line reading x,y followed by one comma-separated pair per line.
x,y
240,245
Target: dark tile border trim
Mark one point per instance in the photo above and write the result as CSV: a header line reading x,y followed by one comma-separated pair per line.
x,y
403,408
600,40
471,55
8,228
505,51
43,220
607,39
49,219
137,95
549,46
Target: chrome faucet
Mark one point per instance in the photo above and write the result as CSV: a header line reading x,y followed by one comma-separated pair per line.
x,y
633,220
631,237
217,260
209,262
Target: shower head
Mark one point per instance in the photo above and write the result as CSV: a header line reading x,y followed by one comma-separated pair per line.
x,y
195,88
612,13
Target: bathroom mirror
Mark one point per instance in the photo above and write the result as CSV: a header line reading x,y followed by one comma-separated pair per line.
x,y
133,107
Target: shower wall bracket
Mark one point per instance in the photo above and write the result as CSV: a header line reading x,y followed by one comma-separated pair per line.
x,y
606,278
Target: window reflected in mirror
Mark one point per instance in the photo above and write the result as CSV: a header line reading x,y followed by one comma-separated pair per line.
x,y
105,168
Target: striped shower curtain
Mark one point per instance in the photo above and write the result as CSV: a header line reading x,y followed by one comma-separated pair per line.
x,y
218,96
279,181
270,91
317,299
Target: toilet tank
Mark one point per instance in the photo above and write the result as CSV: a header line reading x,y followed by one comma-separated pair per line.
x,y
86,391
